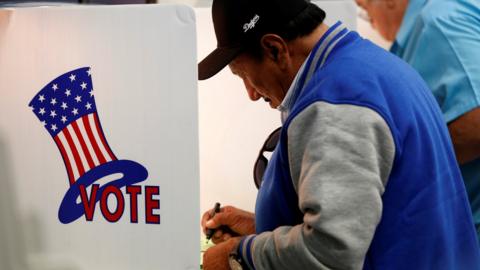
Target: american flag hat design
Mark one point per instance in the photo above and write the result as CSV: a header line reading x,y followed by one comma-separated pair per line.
x,y
66,108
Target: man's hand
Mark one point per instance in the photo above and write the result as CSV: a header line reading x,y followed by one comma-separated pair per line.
x,y
229,222
216,257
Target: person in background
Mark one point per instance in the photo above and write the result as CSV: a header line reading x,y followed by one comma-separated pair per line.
x,y
363,175
441,40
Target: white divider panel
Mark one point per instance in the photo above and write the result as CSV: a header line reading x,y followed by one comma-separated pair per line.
x,y
141,61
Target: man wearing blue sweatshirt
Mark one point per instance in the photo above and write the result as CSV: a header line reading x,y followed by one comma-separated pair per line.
x,y
363,176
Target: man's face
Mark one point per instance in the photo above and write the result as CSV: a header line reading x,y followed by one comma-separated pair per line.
x,y
385,15
262,78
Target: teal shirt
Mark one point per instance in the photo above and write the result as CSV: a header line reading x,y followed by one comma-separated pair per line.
x,y
441,40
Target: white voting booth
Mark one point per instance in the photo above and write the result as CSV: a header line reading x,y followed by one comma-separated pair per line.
x,y
110,178
113,106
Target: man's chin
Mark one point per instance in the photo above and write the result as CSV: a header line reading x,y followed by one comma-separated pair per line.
x,y
270,102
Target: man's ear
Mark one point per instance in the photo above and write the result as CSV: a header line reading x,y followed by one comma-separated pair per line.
x,y
275,49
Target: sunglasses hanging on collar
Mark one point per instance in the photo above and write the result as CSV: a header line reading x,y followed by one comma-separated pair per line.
x,y
262,161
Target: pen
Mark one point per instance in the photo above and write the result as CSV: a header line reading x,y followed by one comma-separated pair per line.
x,y
216,209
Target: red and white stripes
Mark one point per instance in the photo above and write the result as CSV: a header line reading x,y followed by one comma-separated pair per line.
x,y
83,146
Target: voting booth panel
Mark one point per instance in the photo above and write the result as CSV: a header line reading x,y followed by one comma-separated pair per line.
x,y
232,127
99,138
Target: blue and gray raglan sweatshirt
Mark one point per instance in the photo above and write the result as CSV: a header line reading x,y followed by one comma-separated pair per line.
x,y
364,175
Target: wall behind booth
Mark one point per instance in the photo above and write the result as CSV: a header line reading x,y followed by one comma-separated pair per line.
x,y
233,128
142,62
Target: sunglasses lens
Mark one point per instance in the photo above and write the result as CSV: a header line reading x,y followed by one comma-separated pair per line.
x,y
272,141
262,161
259,171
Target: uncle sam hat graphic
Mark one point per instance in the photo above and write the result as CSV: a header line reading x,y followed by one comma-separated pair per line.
x,y
66,108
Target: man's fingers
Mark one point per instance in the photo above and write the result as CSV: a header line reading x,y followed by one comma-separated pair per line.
x,y
216,239
215,222
218,234
224,218
221,238
204,221
220,219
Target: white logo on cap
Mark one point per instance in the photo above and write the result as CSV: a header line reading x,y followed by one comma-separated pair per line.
x,y
251,24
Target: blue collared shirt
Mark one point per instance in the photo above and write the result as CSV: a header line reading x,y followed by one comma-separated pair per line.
x,y
441,40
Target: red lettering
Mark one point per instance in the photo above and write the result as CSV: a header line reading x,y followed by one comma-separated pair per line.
x,y
133,191
117,214
89,204
151,204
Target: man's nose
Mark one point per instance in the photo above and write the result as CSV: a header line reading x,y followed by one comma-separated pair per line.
x,y
252,92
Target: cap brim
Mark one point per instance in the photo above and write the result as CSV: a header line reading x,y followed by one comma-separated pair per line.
x,y
216,61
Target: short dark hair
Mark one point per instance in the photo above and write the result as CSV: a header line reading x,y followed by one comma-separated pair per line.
x,y
302,25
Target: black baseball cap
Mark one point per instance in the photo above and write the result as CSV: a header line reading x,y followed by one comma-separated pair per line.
x,y
238,23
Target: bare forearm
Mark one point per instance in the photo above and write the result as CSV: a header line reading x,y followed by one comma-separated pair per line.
x,y
465,134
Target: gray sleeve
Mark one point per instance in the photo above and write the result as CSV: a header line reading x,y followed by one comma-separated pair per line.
x,y
340,160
